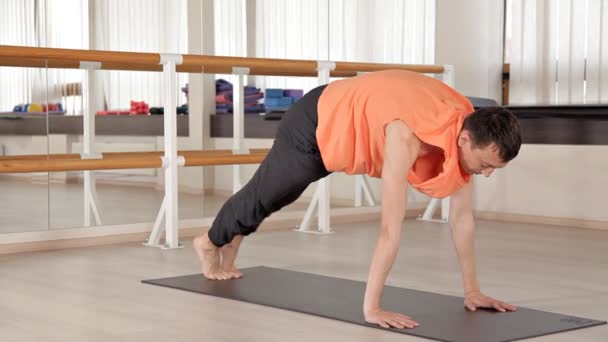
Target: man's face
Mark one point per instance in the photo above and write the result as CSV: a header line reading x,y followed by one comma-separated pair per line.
x,y
477,160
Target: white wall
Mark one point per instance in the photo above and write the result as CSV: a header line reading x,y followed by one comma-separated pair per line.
x,y
544,180
563,181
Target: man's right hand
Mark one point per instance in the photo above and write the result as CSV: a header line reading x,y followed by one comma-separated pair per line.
x,y
387,319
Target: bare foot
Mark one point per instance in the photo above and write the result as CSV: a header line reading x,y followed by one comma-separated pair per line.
x,y
209,255
229,253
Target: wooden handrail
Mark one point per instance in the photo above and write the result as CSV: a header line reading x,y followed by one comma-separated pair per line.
x,y
122,154
79,55
60,165
201,159
123,160
138,61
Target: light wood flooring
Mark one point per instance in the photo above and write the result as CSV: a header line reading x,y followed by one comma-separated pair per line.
x,y
95,294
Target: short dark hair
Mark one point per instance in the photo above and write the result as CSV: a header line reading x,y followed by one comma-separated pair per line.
x,y
496,125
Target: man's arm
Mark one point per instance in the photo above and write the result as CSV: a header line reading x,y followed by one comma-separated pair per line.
x,y
401,149
462,226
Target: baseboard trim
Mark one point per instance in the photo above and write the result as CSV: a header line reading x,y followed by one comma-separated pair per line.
x,y
106,235
543,220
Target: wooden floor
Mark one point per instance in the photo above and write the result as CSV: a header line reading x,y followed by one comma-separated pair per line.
x,y
95,294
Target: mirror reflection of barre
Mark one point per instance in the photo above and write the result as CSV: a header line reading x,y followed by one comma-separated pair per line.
x,y
169,160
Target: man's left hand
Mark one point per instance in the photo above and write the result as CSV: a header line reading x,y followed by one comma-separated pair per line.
x,y
474,300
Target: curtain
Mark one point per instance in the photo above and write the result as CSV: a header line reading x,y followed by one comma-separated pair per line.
x,y
383,31
42,23
16,28
61,24
158,26
292,30
559,52
229,28
230,33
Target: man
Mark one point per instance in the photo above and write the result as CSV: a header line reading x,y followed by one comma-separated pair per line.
x,y
401,126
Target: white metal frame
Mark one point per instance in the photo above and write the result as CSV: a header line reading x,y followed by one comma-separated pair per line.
x,y
238,124
321,198
447,78
88,150
362,188
432,206
169,207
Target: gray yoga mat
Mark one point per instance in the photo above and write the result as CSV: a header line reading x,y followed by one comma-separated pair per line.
x,y
441,317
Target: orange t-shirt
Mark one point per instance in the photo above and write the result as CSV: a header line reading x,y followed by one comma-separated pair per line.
x,y
353,113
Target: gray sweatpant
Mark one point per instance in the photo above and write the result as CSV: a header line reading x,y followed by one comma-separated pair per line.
x,y
293,162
